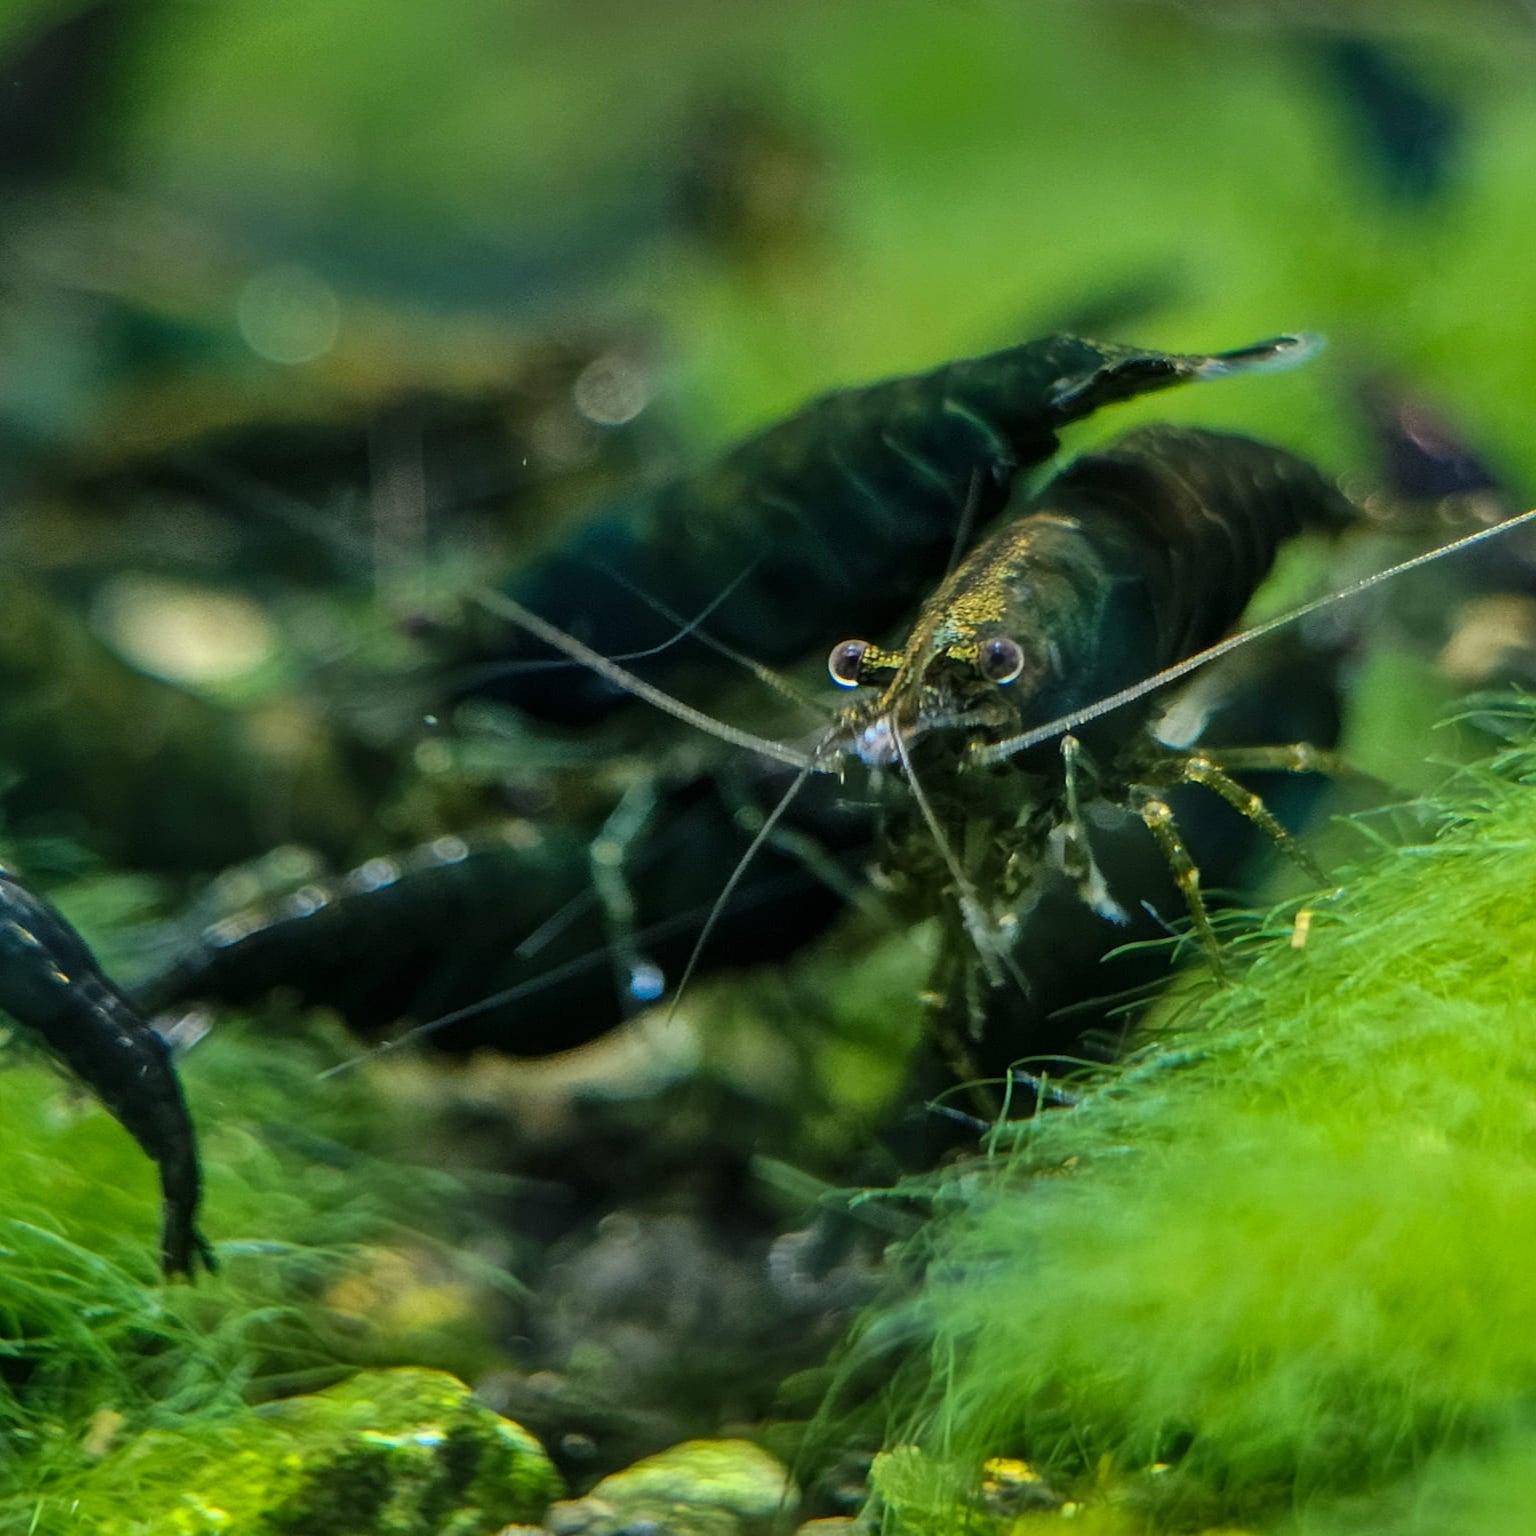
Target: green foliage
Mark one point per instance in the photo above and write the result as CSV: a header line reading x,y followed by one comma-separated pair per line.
x,y
1288,1247
316,1225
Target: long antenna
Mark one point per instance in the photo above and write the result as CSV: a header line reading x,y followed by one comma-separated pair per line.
x,y
764,674
514,612
764,832
999,751
495,671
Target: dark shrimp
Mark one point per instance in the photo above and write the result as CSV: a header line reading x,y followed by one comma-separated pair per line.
x,y
1128,562
847,507
502,938
1129,559
51,984
1400,128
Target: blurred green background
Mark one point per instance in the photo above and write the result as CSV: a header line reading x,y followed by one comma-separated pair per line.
x,y
641,231
766,200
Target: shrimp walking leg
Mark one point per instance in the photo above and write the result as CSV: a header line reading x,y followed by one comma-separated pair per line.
x,y
1074,853
1186,873
1210,773
1295,757
953,1017
639,979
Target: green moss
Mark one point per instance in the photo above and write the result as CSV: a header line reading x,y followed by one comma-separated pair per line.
x,y
1482,1494
390,1453
1289,1247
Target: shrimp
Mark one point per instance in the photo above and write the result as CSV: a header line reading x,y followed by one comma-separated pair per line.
x,y
1129,561
1119,577
51,984
1132,560
848,506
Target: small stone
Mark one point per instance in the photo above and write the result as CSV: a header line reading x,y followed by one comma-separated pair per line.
x,y
383,1453
579,1517
699,1488
411,1445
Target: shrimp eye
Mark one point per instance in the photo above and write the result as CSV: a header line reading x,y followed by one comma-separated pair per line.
x,y
844,662
1001,660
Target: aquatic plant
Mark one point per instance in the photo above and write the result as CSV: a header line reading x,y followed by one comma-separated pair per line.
x,y
1283,1255
321,1231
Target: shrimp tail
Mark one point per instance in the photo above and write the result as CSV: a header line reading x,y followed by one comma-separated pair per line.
x,y
51,983
1126,372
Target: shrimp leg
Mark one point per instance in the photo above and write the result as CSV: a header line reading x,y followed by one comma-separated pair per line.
x,y
51,984
1210,771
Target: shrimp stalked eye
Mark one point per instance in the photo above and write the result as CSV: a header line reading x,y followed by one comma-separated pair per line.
x,y
845,661
1000,660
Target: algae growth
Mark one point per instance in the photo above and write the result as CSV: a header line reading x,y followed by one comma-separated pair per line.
x,y
397,1453
1282,1258
102,1363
